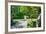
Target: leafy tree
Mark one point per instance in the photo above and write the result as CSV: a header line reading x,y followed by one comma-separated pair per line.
x,y
18,12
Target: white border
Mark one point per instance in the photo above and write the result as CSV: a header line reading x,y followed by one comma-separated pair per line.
x,y
28,0
24,29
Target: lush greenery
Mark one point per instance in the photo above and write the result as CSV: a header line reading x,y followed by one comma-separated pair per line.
x,y
18,12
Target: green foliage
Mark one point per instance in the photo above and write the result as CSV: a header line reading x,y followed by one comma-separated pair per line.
x,y
31,23
18,12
